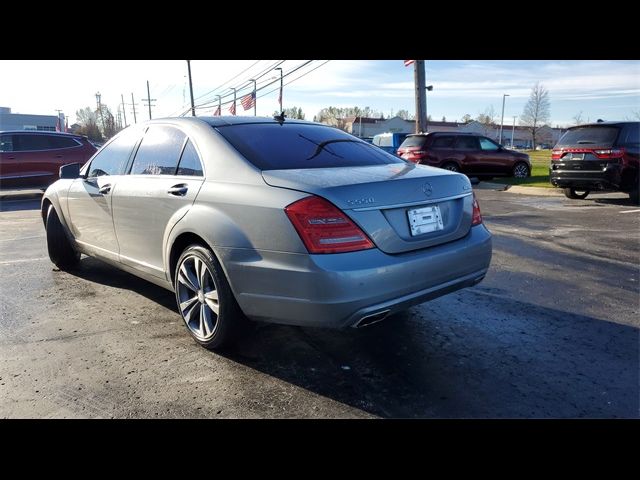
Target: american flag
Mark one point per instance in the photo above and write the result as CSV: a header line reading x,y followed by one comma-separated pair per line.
x,y
58,125
217,112
408,62
232,109
248,101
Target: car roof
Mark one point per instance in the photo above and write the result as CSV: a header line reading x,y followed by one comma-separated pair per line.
x,y
441,133
224,121
43,132
605,124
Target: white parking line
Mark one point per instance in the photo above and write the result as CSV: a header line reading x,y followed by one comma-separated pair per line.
x,y
9,262
20,239
631,211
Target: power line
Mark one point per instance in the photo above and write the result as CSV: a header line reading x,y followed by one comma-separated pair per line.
x,y
230,80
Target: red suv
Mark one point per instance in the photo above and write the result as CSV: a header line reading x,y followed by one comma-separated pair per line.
x,y
33,158
599,156
473,155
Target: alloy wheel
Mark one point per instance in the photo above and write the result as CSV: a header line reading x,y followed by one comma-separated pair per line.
x,y
521,171
198,297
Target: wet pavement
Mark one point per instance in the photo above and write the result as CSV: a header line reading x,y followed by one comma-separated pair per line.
x,y
552,332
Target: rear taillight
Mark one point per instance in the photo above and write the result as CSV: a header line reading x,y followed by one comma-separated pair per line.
x,y
556,154
609,153
476,219
324,228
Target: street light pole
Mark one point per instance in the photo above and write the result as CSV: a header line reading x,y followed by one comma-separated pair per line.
x,y
426,113
502,118
219,105
255,98
280,99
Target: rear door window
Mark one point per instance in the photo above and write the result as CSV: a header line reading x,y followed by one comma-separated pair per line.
x,y
442,142
467,143
190,162
62,142
159,151
271,146
632,134
26,143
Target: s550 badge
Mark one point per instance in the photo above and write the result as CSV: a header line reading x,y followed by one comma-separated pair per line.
x,y
361,201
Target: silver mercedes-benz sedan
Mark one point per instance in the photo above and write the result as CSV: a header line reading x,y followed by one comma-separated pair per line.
x,y
273,220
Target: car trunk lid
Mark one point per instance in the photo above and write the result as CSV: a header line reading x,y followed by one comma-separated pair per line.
x,y
385,200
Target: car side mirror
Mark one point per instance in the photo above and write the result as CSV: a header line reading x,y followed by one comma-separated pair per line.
x,y
70,171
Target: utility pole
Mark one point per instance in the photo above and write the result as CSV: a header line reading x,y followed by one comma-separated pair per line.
x,y
421,94
124,112
133,104
281,85
255,97
513,129
219,105
502,118
149,100
98,98
426,112
59,121
193,108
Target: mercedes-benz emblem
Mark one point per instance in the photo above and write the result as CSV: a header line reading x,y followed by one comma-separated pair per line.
x,y
426,188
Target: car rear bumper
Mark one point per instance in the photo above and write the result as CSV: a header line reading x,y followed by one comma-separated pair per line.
x,y
342,290
609,178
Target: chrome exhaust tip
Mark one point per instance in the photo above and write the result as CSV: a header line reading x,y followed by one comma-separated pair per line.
x,y
372,318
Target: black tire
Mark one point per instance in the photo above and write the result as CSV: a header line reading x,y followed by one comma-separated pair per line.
x,y
574,195
634,195
61,251
230,322
520,170
452,167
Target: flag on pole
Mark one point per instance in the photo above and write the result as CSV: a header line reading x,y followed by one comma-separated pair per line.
x,y
58,126
232,109
66,124
408,62
217,112
248,101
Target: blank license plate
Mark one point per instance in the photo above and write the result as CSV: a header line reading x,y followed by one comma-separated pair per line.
x,y
425,220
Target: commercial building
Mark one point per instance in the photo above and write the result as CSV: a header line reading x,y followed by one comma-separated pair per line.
x,y
21,121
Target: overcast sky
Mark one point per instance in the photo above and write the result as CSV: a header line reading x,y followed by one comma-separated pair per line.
x,y
599,89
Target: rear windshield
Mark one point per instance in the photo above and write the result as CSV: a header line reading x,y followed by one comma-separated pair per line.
x,y
271,146
413,142
601,136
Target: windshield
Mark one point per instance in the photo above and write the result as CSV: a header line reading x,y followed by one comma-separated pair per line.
x,y
271,146
414,141
591,135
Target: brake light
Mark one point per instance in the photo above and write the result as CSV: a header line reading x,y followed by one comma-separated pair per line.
x,y
609,153
476,219
556,154
324,228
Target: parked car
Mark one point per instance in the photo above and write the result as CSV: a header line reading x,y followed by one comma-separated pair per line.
x,y
283,221
471,154
33,158
600,156
389,142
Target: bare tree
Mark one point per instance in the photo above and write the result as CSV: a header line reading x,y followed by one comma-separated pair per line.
x,y
88,121
577,118
466,118
487,120
537,111
293,112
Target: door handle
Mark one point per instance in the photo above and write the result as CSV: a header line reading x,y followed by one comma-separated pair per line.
x,y
105,189
58,156
11,158
178,190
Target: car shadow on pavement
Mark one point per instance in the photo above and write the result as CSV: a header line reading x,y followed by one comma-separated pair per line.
x,y
96,271
471,354
431,362
626,202
19,202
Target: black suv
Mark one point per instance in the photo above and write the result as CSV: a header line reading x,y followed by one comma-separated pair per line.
x,y
599,156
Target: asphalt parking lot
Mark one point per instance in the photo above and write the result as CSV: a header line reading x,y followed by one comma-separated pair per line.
x,y
552,332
